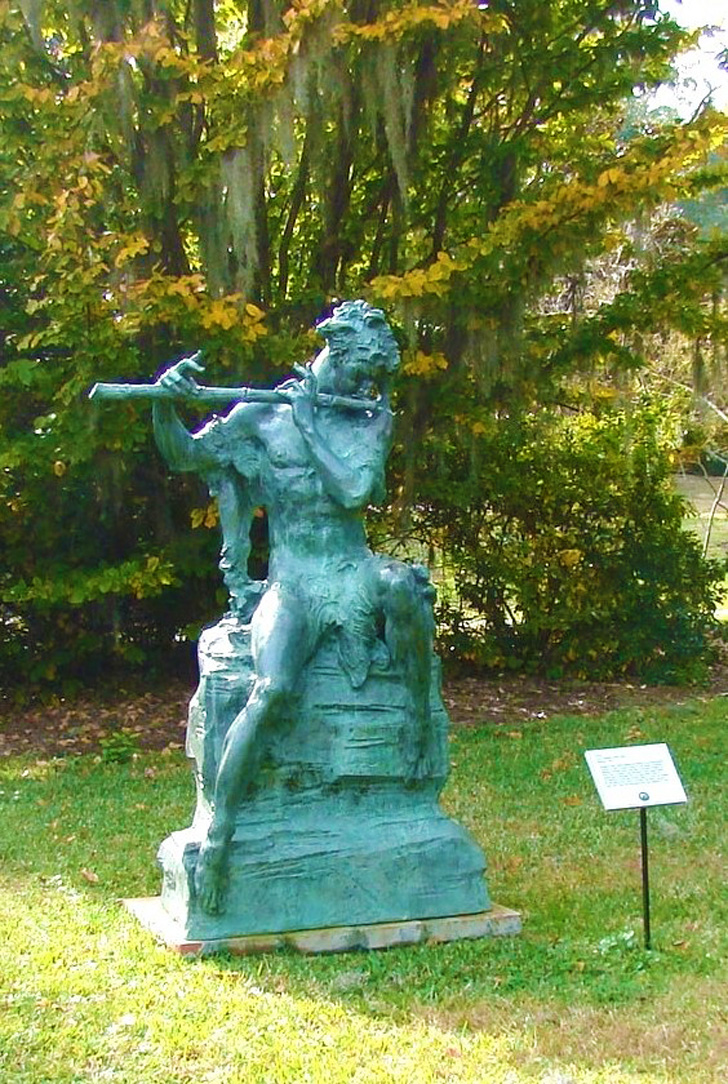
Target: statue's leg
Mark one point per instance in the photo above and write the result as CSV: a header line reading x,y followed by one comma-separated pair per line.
x,y
405,597
280,647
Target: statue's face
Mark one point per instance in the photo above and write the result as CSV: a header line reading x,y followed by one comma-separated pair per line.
x,y
362,348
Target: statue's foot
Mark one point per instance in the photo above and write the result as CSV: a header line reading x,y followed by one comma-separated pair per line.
x,y
211,877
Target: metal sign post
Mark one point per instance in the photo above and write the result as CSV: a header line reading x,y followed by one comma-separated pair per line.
x,y
636,777
645,879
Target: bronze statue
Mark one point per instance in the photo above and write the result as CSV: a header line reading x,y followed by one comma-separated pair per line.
x,y
318,721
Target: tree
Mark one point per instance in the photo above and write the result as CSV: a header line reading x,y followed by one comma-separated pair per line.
x,y
175,174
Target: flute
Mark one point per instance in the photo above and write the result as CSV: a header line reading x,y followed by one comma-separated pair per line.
x,y
210,394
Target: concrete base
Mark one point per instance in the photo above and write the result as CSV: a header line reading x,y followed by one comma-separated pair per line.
x,y
498,922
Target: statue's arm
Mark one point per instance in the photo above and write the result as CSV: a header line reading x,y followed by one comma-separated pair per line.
x,y
178,446
207,449
182,451
351,484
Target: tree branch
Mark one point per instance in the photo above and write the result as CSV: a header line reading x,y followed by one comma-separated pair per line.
x,y
456,155
298,195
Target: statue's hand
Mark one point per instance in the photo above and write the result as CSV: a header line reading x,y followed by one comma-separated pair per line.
x,y
302,397
176,380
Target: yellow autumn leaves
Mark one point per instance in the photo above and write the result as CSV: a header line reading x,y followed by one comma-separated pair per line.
x,y
205,517
225,312
394,24
167,297
637,179
418,363
433,279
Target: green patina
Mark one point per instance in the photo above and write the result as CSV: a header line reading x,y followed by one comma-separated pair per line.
x,y
318,730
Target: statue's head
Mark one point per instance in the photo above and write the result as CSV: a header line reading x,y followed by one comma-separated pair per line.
x,y
359,338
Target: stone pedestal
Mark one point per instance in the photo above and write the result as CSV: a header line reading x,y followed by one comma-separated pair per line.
x,y
344,828
496,922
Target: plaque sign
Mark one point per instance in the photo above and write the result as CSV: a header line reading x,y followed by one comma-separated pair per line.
x,y
635,776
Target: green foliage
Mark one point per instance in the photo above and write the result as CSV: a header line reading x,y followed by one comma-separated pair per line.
x,y
119,747
197,174
563,534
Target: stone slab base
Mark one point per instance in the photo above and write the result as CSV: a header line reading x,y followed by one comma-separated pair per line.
x,y
498,922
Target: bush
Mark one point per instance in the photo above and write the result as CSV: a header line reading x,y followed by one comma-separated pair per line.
x,y
564,551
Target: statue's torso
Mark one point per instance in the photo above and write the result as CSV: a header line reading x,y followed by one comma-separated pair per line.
x,y
308,526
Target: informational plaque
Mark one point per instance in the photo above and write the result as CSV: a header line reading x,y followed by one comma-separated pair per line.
x,y
635,776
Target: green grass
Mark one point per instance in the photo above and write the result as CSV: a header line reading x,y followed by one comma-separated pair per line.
x,y
86,995
700,493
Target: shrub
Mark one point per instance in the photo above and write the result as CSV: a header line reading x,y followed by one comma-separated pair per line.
x,y
564,552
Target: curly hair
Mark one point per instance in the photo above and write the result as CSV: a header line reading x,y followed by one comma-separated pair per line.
x,y
371,328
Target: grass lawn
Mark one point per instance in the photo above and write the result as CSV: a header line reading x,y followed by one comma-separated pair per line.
x,y
701,493
85,995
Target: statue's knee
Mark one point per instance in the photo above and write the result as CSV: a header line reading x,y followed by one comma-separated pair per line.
x,y
274,691
423,584
397,583
405,588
